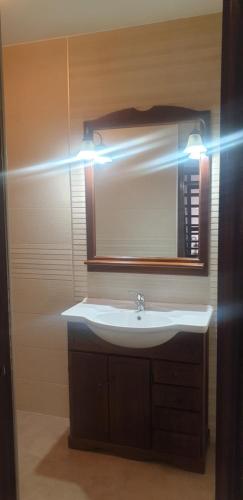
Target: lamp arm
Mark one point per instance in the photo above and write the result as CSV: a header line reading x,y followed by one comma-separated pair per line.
x,y
100,137
203,127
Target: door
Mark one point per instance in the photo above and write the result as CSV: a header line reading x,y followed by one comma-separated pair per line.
x,y
88,375
7,450
229,456
130,401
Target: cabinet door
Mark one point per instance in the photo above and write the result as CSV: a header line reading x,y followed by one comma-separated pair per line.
x,y
88,395
130,401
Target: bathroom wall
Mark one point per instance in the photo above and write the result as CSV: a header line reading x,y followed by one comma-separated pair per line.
x,y
39,213
50,88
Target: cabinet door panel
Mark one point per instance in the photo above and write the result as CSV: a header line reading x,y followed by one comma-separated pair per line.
x,y
130,401
89,395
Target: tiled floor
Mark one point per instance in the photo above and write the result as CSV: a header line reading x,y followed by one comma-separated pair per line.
x,y
48,470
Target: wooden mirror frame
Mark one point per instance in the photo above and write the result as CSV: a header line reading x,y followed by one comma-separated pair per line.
x,y
181,265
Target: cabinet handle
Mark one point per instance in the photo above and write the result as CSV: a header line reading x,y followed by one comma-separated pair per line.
x,y
3,371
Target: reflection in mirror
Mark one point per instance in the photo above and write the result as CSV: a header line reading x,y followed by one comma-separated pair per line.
x,y
147,199
148,208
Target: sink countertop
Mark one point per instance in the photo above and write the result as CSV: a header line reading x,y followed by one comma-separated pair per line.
x,y
187,317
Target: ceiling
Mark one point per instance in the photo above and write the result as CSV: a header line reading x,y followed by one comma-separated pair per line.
x,y
30,20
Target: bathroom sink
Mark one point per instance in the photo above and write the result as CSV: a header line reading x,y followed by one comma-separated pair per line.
x,y
134,329
120,324
144,320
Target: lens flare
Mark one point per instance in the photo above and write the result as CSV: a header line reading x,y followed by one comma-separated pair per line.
x,y
128,149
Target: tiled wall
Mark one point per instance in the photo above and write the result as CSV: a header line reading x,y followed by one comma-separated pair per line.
x,y
51,87
39,213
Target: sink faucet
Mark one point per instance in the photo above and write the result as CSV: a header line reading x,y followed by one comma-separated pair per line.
x,y
140,302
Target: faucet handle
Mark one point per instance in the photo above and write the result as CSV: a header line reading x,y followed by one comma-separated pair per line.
x,y
140,296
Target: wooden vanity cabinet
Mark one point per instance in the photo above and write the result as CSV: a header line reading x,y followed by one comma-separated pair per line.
x,y
148,404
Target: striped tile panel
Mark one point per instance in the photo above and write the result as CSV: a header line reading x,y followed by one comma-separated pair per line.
x,y
32,261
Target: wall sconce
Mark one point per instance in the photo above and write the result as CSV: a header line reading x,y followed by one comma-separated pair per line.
x,y
87,151
195,147
94,152
101,155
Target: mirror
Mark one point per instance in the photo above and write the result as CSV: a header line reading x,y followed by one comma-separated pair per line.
x,y
148,207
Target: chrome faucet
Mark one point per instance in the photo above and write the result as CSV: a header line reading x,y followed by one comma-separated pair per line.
x,y
140,302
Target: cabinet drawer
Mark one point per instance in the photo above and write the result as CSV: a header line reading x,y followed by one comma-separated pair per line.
x,y
181,398
178,444
177,373
176,421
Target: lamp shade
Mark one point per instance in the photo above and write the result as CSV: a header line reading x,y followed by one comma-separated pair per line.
x,y
195,147
87,151
101,155
91,152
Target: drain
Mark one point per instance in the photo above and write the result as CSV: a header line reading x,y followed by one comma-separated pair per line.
x,y
139,317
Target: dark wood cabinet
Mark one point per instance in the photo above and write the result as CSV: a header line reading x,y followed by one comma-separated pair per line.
x,y
148,404
89,395
129,415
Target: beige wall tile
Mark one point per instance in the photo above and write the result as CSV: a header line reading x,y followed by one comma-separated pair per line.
x,y
40,220
40,296
45,331
45,189
39,226
41,365
180,289
41,261
165,63
42,397
36,103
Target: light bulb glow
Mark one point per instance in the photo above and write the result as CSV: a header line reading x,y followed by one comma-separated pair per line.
x,y
196,152
195,147
86,155
102,160
90,152
87,151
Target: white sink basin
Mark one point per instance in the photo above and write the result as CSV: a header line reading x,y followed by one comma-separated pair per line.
x,y
121,325
134,329
145,320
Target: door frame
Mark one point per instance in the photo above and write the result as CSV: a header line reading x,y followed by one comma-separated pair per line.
x,y
230,270
8,483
